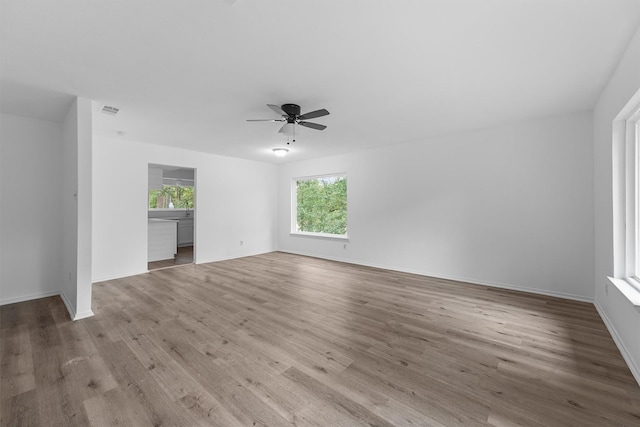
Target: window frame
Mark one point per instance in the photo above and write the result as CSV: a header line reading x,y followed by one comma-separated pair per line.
x,y
632,188
633,227
626,201
294,207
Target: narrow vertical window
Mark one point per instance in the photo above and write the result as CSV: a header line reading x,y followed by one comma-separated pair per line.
x,y
633,221
626,138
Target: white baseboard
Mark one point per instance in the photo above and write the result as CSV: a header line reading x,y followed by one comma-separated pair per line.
x,y
626,354
83,315
72,312
197,261
208,260
24,298
68,304
118,276
65,300
545,292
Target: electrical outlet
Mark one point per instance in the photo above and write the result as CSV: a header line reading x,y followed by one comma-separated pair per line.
x,y
606,288
241,242
344,246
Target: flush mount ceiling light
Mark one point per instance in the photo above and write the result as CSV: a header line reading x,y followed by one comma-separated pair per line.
x,y
280,152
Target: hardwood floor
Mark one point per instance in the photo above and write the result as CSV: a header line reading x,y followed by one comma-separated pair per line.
x,y
279,339
184,256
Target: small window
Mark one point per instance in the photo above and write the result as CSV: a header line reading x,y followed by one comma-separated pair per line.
x,y
171,187
320,205
171,197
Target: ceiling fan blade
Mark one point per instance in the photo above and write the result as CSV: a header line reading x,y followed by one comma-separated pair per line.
x,y
314,114
266,120
283,128
277,109
316,126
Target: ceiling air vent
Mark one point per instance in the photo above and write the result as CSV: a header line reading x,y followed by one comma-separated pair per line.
x,y
108,109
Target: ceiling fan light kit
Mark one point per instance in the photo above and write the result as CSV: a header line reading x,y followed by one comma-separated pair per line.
x,y
280,152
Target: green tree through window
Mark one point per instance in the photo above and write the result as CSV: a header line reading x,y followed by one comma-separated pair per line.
x,y
321,205
180,196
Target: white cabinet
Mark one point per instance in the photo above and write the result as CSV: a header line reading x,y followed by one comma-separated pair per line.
x,y
185,232
162,239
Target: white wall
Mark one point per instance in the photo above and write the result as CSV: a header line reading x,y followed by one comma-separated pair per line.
x,y
235,200
30,208
510,206
619,315
76,197
85,207
70,212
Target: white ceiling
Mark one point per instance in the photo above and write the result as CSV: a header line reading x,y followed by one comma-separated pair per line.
x,y
188,74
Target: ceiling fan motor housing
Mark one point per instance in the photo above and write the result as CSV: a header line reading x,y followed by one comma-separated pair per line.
x,y
293,110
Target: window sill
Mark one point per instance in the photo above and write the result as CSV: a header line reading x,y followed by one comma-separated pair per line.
x,y
631,293
320,235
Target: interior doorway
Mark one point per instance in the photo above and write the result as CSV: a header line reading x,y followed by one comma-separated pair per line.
x,y
171,201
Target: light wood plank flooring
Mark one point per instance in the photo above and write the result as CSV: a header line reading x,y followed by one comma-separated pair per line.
x,y
284,340
184,256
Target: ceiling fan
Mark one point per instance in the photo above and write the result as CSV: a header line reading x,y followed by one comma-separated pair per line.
x,y
290,115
